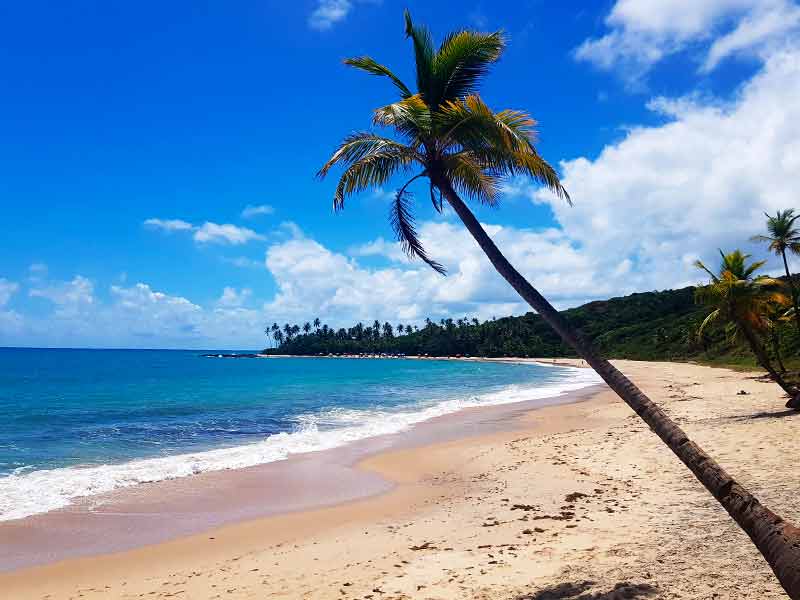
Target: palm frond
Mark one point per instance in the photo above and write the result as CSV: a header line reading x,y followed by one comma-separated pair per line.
x,y
410,117
462,60
373,170
357,146
699,264
525,162
402,221
752,268
437,202
368,64
423,53
469,177
711,318
471,124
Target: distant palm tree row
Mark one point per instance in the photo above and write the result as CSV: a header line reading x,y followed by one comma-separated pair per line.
x,y
357,333
752,306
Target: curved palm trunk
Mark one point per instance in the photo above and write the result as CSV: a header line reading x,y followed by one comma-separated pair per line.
x,y
776,350
793,289
777,540
764,361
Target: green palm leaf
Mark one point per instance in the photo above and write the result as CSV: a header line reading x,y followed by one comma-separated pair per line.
x,y
365,63
402,219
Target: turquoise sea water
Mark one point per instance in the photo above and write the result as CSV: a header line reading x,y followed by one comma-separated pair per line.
x,y
83,422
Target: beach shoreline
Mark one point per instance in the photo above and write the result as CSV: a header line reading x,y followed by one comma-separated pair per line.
x,y
574,494
150,513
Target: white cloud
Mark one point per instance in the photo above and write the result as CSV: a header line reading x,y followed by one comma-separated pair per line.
x,y
759,31
314,281
7,289
225,234
643,32
72,297
664,195
169,224
328,13
130,317
210,232
251,211
231,298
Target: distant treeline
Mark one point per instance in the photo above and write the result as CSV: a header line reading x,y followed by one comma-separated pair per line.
x,y
644,326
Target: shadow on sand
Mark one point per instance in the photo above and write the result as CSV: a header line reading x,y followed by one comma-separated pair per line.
x,y
780,414
582,591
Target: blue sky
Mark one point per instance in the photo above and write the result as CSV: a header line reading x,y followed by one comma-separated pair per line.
x,y
133,137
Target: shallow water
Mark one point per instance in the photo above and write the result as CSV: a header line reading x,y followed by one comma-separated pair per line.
x,y
86,422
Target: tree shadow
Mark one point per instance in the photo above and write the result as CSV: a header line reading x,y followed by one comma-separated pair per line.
x,y
582,591
780,414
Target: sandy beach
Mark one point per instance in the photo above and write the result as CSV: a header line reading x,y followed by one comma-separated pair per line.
x,y
578,501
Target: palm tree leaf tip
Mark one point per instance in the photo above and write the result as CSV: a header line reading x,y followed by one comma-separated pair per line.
x,y
368,64
402,221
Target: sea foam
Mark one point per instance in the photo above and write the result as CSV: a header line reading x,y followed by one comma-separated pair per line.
x,y
27,493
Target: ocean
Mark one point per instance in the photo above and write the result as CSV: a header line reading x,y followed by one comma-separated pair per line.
x,y
85,422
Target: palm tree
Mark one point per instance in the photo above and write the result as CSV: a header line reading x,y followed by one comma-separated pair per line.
x,y
446,134
783,236
306,327
317,323
742,302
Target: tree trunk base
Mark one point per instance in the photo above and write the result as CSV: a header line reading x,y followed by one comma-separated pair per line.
x,y
794,403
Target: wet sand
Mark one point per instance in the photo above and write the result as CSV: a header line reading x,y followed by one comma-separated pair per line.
x,y
572,501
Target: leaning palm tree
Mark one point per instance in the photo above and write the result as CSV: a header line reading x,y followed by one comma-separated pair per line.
x,y
743,302
783,236
446,134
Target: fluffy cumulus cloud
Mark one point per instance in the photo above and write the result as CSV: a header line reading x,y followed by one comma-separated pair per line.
x,y
128,316
312,280
209,232
643,32
664,195
231,297
329,12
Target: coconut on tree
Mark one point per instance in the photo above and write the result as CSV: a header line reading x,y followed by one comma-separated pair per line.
x,y
443,134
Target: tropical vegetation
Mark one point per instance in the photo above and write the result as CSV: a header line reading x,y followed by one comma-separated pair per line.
x,y
744,304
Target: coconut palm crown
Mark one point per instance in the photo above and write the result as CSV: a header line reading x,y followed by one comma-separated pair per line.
x,y
743,299
784,237
743,302
443,132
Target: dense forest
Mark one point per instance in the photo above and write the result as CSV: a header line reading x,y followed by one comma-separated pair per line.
x,y
645,326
